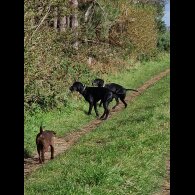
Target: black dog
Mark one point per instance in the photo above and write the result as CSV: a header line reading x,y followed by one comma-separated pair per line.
x,y
118,90
93,95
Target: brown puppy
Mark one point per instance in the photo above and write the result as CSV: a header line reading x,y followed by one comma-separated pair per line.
x,y
45,139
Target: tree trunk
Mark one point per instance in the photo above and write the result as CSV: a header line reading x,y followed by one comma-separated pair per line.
x,y
88,12
68,21
74,22
56,18
63,24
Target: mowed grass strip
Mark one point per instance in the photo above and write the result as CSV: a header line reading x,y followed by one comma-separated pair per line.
x,y
125,155
73,116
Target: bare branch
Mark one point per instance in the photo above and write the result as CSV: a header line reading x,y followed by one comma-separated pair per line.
x,y
88,12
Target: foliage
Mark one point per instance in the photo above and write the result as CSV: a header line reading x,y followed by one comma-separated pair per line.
x,y
114,32
164,42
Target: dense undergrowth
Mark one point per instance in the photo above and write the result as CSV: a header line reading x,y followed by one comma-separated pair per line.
x,y
115,32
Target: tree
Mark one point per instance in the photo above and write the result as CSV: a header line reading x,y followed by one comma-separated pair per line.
x,y
74,21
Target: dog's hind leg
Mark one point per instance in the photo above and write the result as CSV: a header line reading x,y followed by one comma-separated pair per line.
x,y
95,108
52,151
42,155
123,100
105,105
117,103
106,111
39,153
102,117
100,103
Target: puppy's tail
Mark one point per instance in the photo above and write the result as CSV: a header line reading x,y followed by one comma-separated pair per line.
x,y
132,90
41,128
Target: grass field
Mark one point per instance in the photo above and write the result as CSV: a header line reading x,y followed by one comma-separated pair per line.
x,y
73,116
124,155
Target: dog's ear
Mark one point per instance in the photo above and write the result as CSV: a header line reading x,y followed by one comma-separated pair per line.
x,y
53,132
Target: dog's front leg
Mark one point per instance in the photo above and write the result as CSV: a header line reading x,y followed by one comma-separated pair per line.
x,y
90,108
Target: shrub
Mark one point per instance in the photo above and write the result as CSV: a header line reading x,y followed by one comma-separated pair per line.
x,y
164,42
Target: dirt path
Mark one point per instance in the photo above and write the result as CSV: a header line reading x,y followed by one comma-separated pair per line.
x,y
64,143
166,185
165,189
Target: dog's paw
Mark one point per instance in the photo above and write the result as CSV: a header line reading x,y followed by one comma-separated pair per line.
x,y
102,117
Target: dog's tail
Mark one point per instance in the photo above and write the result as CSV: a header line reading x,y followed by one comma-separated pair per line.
x,y
118,93
41,128
132,90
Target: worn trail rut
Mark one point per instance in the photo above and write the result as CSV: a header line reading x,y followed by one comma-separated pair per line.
x,y
64,143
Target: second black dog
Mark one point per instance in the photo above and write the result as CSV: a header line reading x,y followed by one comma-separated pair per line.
x,y
93,95
118,90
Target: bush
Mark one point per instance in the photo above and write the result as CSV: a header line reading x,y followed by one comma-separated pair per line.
x,y
164,42
115,31
135,31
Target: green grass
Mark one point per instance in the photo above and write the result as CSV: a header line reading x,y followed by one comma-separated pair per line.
x,y
124,155
73,116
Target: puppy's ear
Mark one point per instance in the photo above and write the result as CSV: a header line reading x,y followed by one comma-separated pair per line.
x,y
54,132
